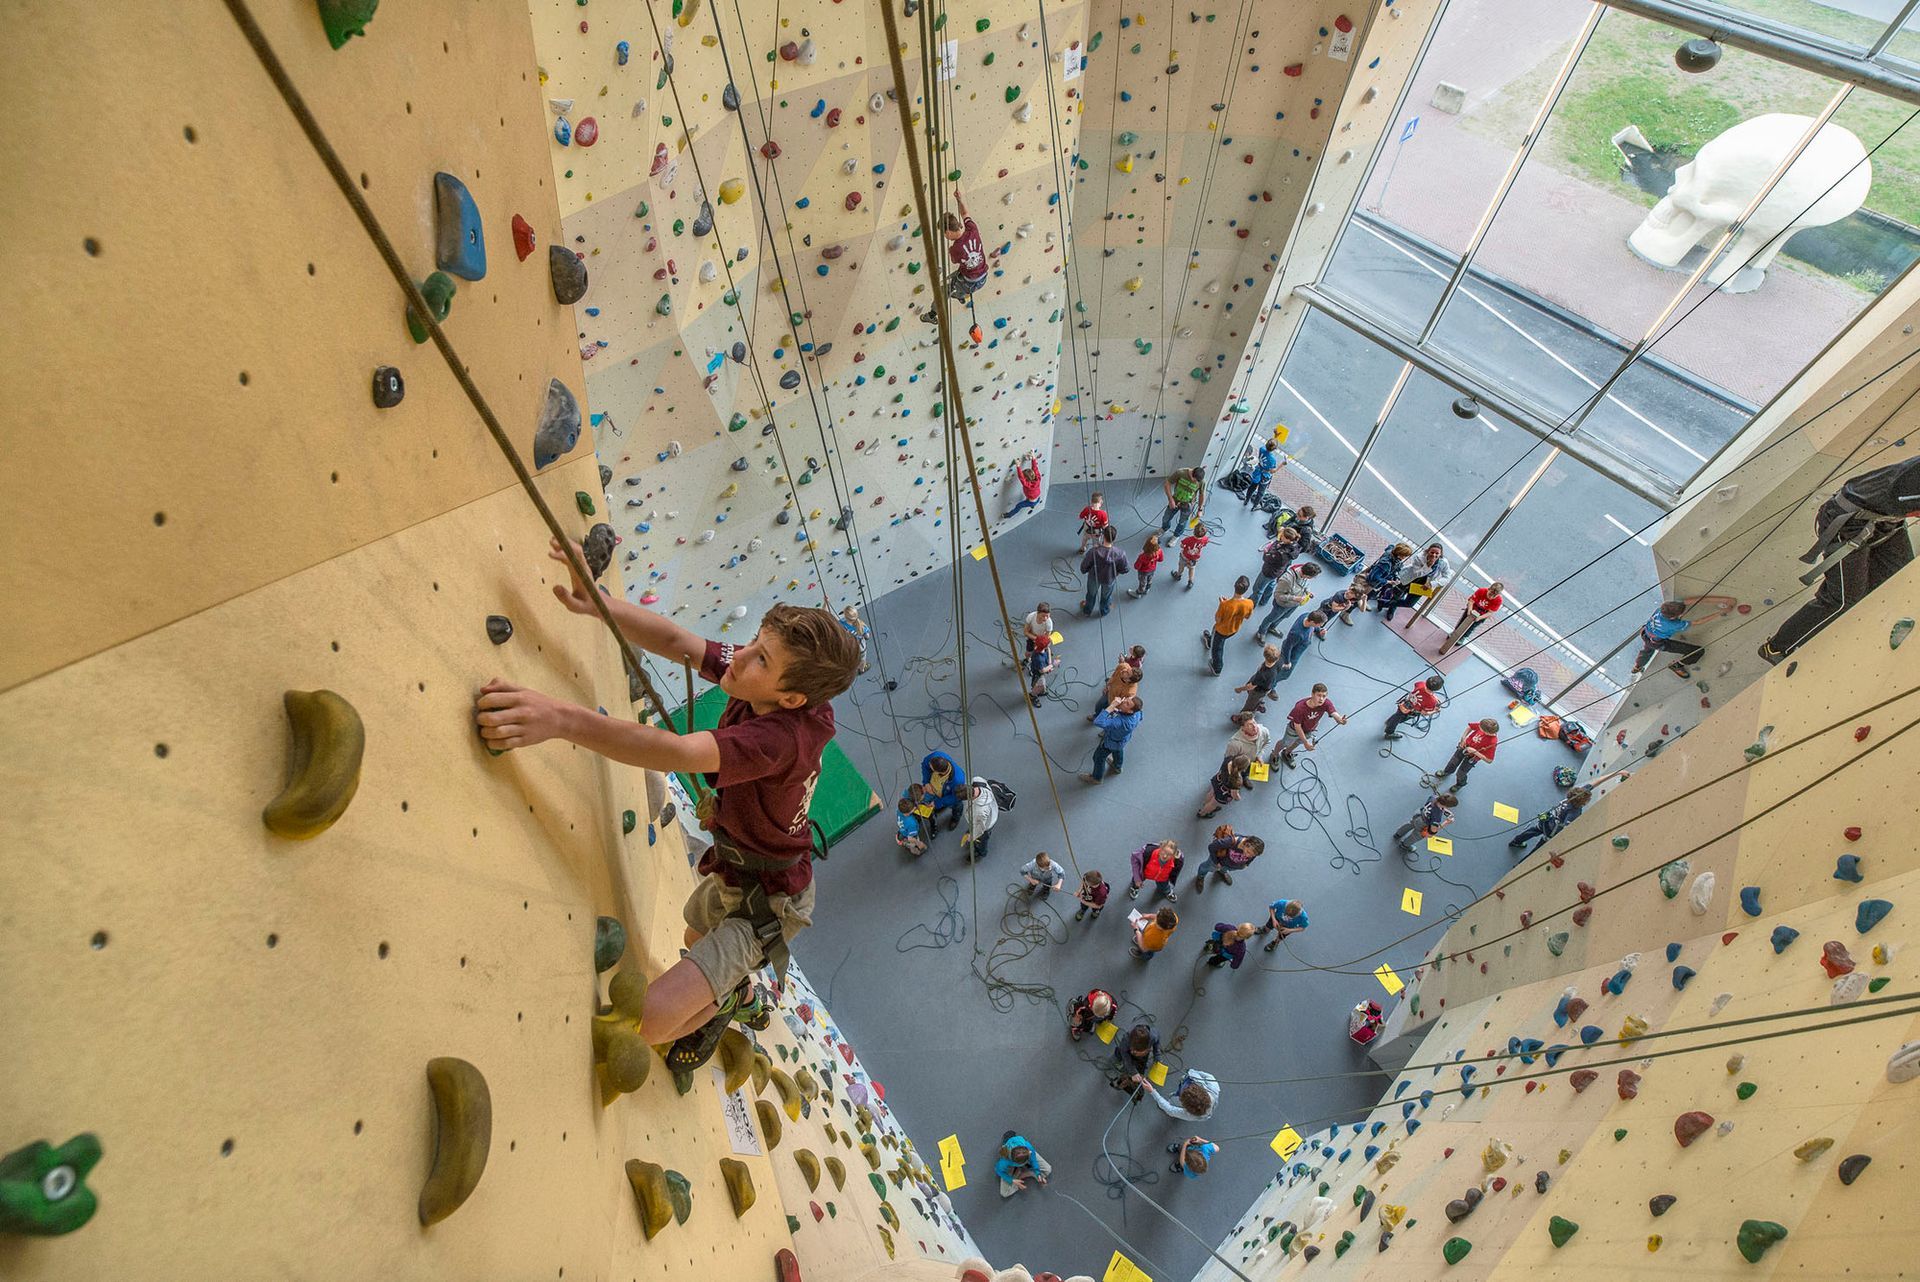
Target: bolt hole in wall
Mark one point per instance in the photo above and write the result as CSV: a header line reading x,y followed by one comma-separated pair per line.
x,y
99,940
92,247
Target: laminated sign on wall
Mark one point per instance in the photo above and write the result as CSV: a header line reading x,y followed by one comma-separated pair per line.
x,y
739,1114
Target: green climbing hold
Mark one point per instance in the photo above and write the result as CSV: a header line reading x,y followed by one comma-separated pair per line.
x,y
1899,633
583,501
609,942
43,1189
1127,138
988,60
628,821
1745,1090
643,211
1013,91
1094,43
940,20
1621,843
1619,1135
793,1224
879,1184
1875,985
345,19
1359,1194
1557,942
731,298
982,24
665,306
1456,1249
1559,1228
737,422
953,175
891,325
679,226
437,289
1756,1236
1340,1247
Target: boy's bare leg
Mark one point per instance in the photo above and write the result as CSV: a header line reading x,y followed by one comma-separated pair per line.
x,y
678,1002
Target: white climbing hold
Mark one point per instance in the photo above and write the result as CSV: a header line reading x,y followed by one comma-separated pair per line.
x,y
708,272
738,612
1023,113
1904,1064
1719,1003
673,449
1024,230
807,53
897,242
1319,1209
561,106
850,164
877,102
706,536
1848,988
1700,897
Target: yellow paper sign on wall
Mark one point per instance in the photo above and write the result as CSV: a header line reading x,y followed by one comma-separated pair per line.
x,y
1389,980
1501,810
952,1163
1121,1269
1410,901
1286,1143
1440,845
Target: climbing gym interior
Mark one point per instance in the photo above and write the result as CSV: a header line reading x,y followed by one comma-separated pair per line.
x,y
596,498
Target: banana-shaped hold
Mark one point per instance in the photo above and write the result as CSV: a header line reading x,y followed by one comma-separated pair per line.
x,y
649,1181
839,1173
886,1240
739,1185
736,1058
872,1155
809,1087
809,1167
463,1131
890,1215
769,1121
324,769
762,1071
789,1093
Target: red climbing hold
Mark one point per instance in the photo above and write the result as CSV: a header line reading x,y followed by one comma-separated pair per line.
x,y
1576,1007
1582,1079
789,51
1343,24
586,133
833,118
1557,859
1835,959
1247,159
1689,1127
1586,891
1860,733
818,1214
785,1267
853,200
659,165
1628,1084
1293,69
1851,834
1243,232
1583,914
770,149
1526,919
1729,937
523,240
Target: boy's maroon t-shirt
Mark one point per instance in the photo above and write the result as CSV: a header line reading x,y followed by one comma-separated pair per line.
x,y
968,253
769,766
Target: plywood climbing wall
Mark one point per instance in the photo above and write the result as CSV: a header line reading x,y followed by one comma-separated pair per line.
x,y
206,510
1761,865
1201,130
766,392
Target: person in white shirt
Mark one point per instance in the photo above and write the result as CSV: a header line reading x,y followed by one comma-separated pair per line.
x,y
1195,1096
983,812
1043,876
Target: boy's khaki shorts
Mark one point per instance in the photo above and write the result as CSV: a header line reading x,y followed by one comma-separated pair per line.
x,y
727,951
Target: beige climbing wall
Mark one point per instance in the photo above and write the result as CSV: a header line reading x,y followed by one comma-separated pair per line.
x,y
811,288
1182,213
245,1021
1387,59
1735,537
1509,960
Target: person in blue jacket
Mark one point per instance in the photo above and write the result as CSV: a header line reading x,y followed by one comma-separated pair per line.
x,y
1019,1161
946,785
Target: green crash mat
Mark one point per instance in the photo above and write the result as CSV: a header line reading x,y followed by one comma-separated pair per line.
x,y
842,800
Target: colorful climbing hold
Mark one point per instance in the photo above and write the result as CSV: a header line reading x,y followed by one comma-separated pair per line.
x,y
438,290
1455,1249
43,1189
1690,1126
1560,1230
1870,913
1756,1236
569,272
342,20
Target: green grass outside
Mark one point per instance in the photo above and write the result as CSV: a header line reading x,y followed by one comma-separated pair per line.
x,y
1627,76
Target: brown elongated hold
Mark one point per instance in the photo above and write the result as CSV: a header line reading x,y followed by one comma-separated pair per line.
x,y
809,1167
837,1169
739,1185
736,1058
769,1121
463,1133
649,1181
323,764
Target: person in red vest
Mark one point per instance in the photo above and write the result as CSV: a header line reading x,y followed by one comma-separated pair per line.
x,y
1421,701
1158,863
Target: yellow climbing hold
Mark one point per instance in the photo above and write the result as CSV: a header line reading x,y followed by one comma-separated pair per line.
x,y
1124,164
809,1167
789,1093
872,1155
1633,1029
837,1169
688,11
732,190
769,1121
739,1185
762,1069
649,1181
1132,284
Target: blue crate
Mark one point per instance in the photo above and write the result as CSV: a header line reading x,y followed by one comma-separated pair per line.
x,y
1337,552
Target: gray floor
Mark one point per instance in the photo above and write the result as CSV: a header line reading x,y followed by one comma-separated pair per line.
x,y
901,949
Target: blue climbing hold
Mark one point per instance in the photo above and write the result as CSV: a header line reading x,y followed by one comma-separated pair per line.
x,y
1370,1152
1848,868
1590,1033
1870,914
622,52
1681,974
1400,1087
563,131
1413,1124
459,245
1555,1051
1782,936
1750,900
819,109
1673,952
1560,1010
1466,1074
1617,982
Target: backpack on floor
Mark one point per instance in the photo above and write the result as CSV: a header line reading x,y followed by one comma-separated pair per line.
x,y
1002,794
1236,482
1524,682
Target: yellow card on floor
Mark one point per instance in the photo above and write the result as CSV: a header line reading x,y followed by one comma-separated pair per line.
x,y
1157,1074
1121,1269
1501,810
1440,845
1522,715
1286,1142
1410,901
952,1163
980,553
1105,1030
1055,638
1258,772
1388,979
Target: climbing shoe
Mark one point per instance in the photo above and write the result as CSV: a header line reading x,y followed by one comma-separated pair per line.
x,y
696,1048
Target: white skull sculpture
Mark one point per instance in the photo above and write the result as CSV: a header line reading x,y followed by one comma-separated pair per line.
x,y
1710,191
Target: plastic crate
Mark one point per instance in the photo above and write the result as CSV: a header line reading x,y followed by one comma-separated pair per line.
x,y
1337,552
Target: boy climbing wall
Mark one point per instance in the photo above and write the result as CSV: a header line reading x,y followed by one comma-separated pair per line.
x,y
762,761
969,256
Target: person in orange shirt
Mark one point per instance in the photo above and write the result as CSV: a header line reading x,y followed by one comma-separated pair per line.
x,y
1234,610
1150,934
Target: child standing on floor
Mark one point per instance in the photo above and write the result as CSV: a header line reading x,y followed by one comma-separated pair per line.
x,y
1434,814
1190,549
1145,564
906,828
1232,612
1159,863
1092,895
1040,662
1293,589
1260,684
1298,638
1093,519
1150,934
